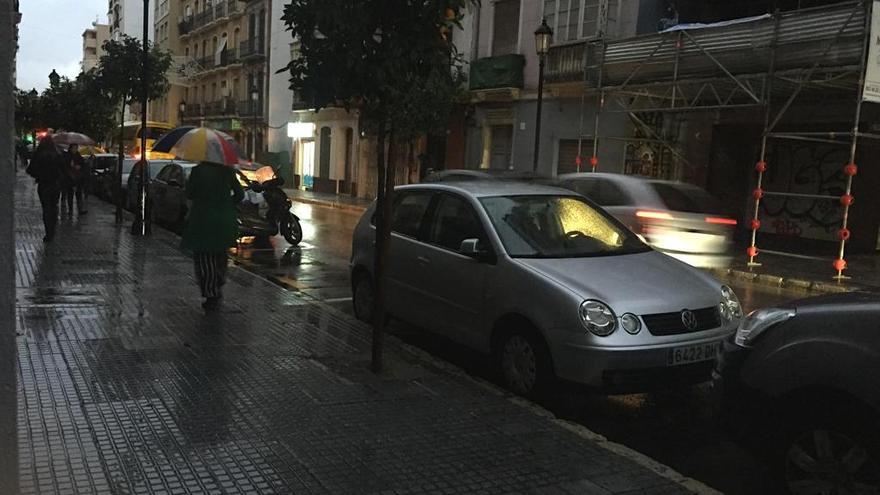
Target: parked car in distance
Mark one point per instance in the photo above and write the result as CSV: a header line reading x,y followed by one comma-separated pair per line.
x,y
459,175
168,192
131,177
102,166
800,385
548,283
678,219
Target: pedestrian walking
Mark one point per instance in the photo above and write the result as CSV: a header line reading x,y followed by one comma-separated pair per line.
x,y
46,167
211,226
73,180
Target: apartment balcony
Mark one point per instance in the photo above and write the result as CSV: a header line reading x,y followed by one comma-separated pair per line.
x,y
567,63
211,62
220,108
193,110
502,72
251,49
249,108
219,12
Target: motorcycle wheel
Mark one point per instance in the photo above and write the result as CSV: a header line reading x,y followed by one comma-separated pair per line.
x,y
291,230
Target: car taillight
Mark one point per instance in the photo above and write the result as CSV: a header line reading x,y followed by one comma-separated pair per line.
x,y
656,215
721,221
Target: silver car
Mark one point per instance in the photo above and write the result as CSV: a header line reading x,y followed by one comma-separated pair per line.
x,y
548,283
681,220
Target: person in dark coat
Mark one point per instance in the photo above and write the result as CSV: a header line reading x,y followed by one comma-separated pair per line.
x,y
46,167
211,226
73,180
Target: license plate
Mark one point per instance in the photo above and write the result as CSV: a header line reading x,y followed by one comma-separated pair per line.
x,y
692,353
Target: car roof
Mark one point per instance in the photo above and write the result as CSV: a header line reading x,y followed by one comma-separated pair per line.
x,y
482,189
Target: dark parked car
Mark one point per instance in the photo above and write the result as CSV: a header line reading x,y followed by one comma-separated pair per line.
x,y
101,167
800,385
168,192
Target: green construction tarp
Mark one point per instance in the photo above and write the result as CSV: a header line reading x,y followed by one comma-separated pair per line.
x,y
505,71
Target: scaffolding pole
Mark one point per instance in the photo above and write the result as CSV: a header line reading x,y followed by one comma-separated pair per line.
x,y
850,168
761,166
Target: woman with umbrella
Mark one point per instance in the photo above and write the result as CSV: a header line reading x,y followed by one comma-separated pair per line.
x,y
211,225
45,167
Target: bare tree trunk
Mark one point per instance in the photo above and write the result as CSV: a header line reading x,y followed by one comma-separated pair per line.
x,y
8,358
118,189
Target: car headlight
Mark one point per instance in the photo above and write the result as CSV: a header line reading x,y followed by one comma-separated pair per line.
x,y
757,321
597,317
729,307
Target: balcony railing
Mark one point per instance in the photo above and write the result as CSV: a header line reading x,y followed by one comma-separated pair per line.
x,y
192,110
215,13
567,63
250,108
252,47
219,108
505,71
227,57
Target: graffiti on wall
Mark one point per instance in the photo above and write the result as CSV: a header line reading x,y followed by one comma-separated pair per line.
x,y
804,168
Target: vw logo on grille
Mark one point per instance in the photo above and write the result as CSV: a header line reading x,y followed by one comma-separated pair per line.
x,y
689,319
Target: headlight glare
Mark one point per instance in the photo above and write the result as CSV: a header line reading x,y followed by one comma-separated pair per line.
x,y
597,317
730,307
757,321
630,323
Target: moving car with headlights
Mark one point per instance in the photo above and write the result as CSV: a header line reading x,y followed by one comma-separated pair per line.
x,y
681,220
548,283
462,174
800,384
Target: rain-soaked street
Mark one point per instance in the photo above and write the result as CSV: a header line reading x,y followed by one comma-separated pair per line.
x,y
676,428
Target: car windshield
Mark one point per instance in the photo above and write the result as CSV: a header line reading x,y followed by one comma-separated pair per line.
x,y
687,198
557,227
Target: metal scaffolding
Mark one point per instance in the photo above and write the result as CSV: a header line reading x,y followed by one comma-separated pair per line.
x,y
807,54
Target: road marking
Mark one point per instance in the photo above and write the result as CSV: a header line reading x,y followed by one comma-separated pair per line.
x,y
337,299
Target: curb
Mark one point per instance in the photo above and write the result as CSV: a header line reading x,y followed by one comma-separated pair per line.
x,y
813,286
662,470
329,204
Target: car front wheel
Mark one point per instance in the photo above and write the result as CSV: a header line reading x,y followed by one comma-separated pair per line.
x,y
833,454
524,364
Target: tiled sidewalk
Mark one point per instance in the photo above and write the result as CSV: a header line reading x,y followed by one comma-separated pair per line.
x,y
127,387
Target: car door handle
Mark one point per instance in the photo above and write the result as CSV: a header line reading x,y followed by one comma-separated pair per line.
x,y
423,260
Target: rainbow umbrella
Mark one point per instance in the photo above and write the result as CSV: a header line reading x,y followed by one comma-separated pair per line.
x,y
206,145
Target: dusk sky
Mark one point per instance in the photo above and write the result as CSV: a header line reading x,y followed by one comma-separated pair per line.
x,y
51,38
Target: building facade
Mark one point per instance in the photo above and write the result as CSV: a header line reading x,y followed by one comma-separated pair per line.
x,y
127,17
226,41
166,35
93,45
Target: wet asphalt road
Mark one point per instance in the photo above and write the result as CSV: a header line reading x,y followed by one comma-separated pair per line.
x,y
677,428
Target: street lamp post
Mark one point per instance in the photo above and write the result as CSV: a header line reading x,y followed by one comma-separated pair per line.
x,y
255,95
543,38
141,226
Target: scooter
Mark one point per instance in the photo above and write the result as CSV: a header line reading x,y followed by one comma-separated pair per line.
x,y
252,221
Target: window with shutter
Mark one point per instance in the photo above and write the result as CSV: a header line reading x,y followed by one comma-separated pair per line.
x,y
505,27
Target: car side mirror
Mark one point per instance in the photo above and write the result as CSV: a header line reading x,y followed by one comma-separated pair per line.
x,y
474,249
